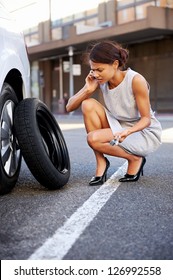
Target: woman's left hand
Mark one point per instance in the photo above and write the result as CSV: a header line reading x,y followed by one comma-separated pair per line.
x,y
120,136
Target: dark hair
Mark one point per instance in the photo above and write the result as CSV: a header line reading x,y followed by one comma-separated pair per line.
x,y
107,52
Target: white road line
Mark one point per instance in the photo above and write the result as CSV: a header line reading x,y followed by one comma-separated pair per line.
x,y
56,247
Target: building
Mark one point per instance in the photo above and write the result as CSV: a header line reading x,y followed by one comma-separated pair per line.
x,y
56,44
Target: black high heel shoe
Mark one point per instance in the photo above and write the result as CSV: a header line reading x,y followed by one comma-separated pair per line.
x,y
99,180
132,178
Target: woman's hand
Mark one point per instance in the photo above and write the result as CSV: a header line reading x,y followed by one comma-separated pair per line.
x,y
91,82
120,136
86,92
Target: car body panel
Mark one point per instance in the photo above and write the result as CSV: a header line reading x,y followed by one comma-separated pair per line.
x,y
13,54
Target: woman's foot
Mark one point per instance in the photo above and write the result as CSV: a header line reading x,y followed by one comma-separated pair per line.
x,y
134,177
134,165
99,180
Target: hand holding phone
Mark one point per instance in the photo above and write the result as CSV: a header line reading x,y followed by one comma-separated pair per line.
x,y
115,141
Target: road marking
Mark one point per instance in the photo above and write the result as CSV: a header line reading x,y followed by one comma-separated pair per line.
x,y
167,135
57,246
71,126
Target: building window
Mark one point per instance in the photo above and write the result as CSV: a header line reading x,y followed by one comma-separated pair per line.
x,y
126,15
84,17
31,36
57,33
130,10
141,10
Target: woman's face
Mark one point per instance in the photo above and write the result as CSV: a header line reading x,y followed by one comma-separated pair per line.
x,y
103,72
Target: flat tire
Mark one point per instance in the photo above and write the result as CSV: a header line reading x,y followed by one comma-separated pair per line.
x,y
42,143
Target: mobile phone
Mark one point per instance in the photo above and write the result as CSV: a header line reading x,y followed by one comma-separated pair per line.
x,y
114,142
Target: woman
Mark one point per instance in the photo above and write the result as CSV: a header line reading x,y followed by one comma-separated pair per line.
x,y
127,118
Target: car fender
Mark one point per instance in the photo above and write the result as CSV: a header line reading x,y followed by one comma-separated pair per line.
x,y
9,51
13,59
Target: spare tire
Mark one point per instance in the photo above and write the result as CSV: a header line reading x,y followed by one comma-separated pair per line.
x,y
42,143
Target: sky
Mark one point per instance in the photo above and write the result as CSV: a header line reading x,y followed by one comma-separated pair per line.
x,y
35,14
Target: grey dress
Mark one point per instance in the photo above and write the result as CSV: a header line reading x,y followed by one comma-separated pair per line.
x,y
122,112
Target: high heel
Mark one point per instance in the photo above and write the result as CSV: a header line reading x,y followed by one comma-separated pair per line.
x,y
132,178
99,180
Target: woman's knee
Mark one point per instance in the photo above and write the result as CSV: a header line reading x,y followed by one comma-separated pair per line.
x,y
87,105
92,139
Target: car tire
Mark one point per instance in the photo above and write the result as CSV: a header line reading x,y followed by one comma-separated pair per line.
x,y
10,155
42,143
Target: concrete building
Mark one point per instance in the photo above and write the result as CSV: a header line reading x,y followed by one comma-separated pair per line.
x,y
55,47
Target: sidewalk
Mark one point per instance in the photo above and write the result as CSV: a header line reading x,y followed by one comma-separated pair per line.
x,y
69,118
78,118
165,117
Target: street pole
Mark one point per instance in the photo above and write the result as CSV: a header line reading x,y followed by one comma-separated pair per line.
x,y
71,81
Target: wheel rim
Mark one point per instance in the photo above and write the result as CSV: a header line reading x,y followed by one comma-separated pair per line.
x,y
10,153
53,141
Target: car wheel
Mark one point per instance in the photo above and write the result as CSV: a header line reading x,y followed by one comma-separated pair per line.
x,y
42,143
10,155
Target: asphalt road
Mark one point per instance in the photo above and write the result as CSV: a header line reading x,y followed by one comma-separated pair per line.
x,y
79,222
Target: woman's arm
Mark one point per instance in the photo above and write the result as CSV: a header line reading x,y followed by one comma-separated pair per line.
x,y
90,86
141,94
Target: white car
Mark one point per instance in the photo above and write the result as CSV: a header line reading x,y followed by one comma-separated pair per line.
x,y
27,127
14,86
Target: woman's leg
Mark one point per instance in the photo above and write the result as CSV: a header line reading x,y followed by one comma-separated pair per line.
x,y
95,118
100,141
99,136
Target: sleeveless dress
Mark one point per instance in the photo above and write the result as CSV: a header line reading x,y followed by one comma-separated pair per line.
x,y
122,112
